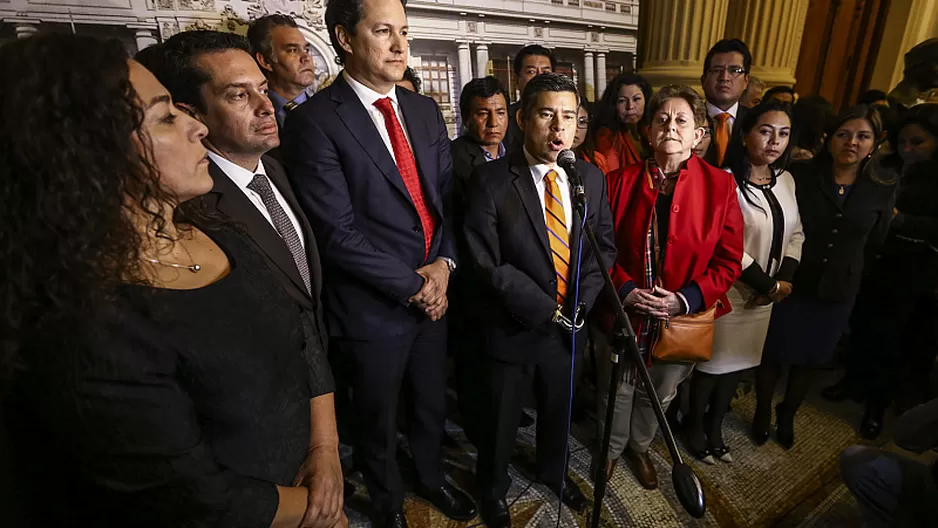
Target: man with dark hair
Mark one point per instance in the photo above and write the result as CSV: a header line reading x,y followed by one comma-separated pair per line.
x,y
410,81
483,106
725,78
782,94
212,77
522,233
284,56
530,62
371,165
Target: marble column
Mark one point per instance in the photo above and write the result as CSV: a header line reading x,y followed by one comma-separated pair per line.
x,y
600,74
144,38
482,59
589,84
772,29
25,29
465,65
678,35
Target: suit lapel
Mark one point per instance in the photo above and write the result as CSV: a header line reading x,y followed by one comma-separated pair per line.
x,y
524,185
231,201
359,124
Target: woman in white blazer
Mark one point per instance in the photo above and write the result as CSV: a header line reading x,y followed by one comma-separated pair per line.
x,y
772,238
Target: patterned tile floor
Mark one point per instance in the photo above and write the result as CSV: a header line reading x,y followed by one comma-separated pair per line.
x,y
764,487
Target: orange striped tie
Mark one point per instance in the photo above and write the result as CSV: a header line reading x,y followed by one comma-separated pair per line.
x,y
557,233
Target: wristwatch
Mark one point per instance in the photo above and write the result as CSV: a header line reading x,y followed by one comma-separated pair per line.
x,y
450,263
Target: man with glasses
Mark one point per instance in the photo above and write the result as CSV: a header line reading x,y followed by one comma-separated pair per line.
x,y
284,56
725,78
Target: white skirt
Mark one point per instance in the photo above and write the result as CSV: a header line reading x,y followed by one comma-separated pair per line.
x,y
738,337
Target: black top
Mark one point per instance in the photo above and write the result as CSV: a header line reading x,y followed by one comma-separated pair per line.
x,y
172,408
840,234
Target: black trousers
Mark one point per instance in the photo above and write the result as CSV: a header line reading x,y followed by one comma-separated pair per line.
x,y
379,369
506,384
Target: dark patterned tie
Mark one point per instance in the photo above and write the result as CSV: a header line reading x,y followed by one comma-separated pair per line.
x,y
261,185
289,106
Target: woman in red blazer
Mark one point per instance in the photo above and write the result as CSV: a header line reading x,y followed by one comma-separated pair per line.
x,y
691,209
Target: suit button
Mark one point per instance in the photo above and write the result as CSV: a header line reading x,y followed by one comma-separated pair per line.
x,y
672,239
838,215
833,231
675,208
830,246
824,260
417,229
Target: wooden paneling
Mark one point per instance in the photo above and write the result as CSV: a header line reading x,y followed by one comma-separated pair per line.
x,y
841,39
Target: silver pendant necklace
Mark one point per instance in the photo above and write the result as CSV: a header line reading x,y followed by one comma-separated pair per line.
x,y
194,268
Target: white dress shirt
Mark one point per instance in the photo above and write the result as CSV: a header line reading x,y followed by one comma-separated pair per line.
x,y
242,178
538,172
368,97
714,111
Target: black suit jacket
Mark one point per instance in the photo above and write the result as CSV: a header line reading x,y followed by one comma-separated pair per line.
x,y
231,201
350,188
507,236
711,154
839,238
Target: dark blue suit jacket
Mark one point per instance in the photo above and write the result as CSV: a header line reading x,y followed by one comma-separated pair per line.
x,y
366,224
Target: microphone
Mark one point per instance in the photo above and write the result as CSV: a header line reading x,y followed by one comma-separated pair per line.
x,y
567,160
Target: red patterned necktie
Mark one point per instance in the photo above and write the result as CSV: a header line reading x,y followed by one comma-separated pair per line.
x,y
407,166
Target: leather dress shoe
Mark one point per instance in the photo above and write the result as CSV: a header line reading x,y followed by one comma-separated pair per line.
x,y
572,496
451,502
394,520
495,513
872,423
643,468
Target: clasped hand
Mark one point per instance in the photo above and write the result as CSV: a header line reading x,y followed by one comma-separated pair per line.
x,y
432,296
784,290
566,323
321,473
656,302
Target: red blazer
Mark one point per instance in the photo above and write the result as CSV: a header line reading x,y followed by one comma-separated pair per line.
x,y
705,233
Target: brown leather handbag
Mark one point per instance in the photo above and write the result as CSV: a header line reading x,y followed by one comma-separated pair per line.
x,y
686,338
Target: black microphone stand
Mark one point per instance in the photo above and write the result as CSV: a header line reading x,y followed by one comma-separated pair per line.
x,y
625,348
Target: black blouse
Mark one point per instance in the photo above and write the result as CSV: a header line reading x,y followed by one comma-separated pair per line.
x,y
174,408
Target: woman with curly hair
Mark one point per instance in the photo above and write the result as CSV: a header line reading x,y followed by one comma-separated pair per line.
x,y
617,121
159,362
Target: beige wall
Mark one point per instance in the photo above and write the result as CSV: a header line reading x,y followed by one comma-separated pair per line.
x,y
907,23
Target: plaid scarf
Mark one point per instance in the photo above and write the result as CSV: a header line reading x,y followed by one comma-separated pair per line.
x,y
648,326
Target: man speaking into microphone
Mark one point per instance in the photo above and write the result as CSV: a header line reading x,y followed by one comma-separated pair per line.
x,y
523,236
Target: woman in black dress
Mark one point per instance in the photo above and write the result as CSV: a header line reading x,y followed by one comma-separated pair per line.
x,y
157,374
845,207
893,335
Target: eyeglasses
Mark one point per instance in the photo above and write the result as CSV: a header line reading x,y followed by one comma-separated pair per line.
x,y
582,122
734,71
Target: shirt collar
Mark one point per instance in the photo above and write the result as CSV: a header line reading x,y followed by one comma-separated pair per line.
x,y
241,176
366,94
488,155
539,170
714,111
